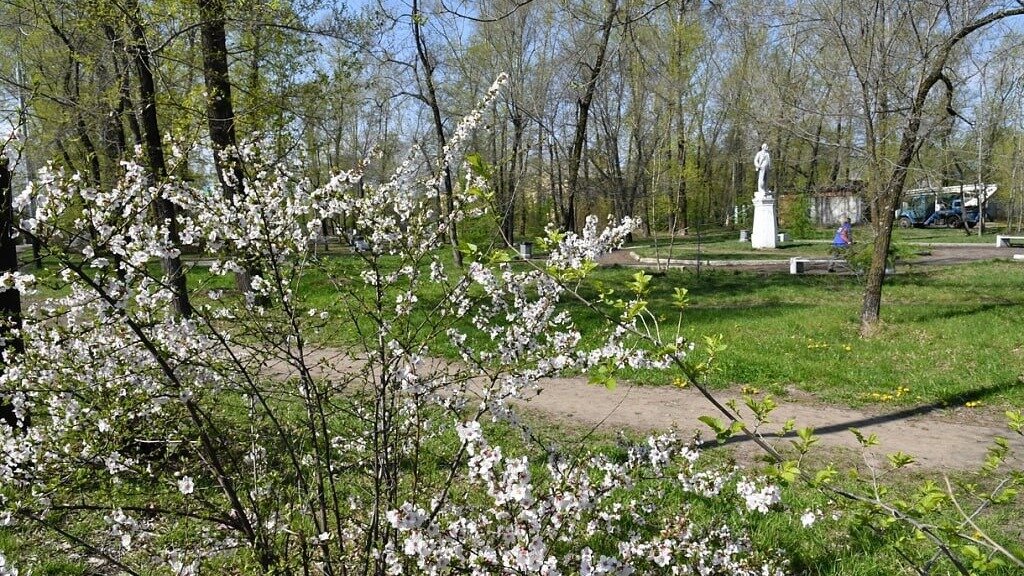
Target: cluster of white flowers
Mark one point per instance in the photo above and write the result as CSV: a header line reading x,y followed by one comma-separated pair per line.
x,y
758,499
571,503
572,250
230,427
18,281
7,569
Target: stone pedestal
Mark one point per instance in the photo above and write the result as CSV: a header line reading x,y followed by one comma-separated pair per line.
x,y
764,233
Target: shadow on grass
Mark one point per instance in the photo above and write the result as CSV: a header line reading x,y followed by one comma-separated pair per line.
x,y
717,282
949,314
940,404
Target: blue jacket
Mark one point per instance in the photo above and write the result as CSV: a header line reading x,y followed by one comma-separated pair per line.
x,y
842,237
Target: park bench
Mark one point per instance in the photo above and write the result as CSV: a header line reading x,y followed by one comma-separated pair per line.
x,y
799,265
1008,241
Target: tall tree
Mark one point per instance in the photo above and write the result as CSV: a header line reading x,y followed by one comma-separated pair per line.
x,y
429,95
10,299
898,52
583,103
165,209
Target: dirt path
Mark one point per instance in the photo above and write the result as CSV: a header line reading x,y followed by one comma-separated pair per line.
x,y
940,438
947,439
929,255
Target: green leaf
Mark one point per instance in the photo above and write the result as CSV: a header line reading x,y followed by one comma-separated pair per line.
x,y
899,459
681,298
930,497
865,441
761,409
1006,496
807,439
604,376
640,284
824,476
722,432
996,454
500,256
788,427
1016,420
478,165
713,423
787,471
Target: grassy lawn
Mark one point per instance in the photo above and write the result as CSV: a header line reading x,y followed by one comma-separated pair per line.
x,y
721,244
951,335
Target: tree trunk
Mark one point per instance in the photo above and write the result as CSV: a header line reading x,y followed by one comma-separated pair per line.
x,y
220,114
812,172
870,313
509,206
582,116
442,140
10,300
166,211
680,205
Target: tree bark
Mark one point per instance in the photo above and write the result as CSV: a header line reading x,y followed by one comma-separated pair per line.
x,y
220,114
10,300
166,211
442,140
583,104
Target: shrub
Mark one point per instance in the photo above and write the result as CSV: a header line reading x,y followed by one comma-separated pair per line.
x,y
228,442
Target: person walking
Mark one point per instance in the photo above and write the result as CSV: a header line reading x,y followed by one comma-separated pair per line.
x,y
841,242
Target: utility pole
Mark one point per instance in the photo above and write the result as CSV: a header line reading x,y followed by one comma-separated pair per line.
x,y
980,189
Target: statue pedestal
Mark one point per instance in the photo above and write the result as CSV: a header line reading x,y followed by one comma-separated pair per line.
x,y
764,234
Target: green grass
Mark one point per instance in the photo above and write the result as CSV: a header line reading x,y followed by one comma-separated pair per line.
x,y
950,335
721,244
731,250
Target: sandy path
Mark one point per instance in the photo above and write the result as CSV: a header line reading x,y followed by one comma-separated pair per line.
x,y
939,438
953,439
931,255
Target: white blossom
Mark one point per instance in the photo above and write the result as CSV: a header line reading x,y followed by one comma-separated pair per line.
x,y
185,485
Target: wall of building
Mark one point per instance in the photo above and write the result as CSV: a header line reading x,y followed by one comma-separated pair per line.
x,y
829,210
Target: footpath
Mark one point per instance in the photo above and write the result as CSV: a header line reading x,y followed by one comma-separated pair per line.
x,y
940,438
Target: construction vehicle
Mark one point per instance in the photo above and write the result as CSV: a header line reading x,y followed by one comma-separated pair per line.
x,y
943,206
954,216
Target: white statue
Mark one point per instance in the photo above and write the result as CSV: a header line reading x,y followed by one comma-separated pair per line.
x,y
762,162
